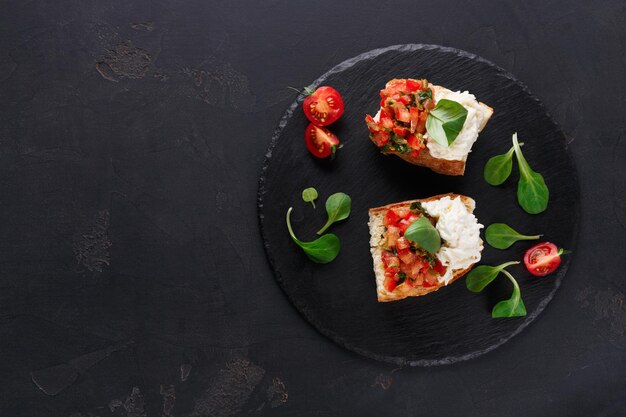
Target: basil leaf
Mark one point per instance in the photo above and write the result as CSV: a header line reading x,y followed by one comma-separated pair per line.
x,y
499,167
513,307
309,195
532,191
445,121
502,236
422,232
483,275
322,250
338,208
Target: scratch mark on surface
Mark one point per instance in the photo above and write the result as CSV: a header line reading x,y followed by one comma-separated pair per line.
x,y
56,378
185,369
277,393
168,392
91,243
125,61
383,381
143,26
230,390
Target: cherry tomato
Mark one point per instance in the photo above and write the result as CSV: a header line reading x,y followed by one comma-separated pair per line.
x,y
324,106
543,259
320,141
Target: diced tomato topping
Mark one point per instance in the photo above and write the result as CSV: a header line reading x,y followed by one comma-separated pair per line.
x,y
421,123
389,259
402,113
414,115
413,85
403,243
415,143
386,113
406,256
391,271
404,99
393,233
381,138
401,131
391,218
390,284
386,122
439,267
402,212
371,124
403,225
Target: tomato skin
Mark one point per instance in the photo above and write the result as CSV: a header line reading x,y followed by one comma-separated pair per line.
x,y
542,259
324,106
320,141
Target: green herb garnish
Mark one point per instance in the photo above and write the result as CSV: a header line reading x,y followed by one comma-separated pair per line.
x,y
338,208
424,94
502,236
322,250
422,232
514,306
483,275
416,207
309,195
445,121
532,191
498,168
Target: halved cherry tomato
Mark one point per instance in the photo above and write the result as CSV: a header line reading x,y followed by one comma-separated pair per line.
x,y
543,259
324,106
320,141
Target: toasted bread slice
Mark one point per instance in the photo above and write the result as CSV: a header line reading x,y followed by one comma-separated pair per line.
x,y
377,244
439,165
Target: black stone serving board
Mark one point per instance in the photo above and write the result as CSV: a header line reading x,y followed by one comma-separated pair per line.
x,y
339,298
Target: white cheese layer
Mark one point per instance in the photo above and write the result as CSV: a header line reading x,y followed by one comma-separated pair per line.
x,y
462,145
460,234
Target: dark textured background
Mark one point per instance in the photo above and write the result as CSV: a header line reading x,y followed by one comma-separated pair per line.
x,y
132,135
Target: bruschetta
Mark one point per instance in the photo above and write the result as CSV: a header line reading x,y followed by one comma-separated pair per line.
x,y
402,267
399,127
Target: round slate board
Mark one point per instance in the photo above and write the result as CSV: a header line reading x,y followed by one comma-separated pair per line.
x,y
339,298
